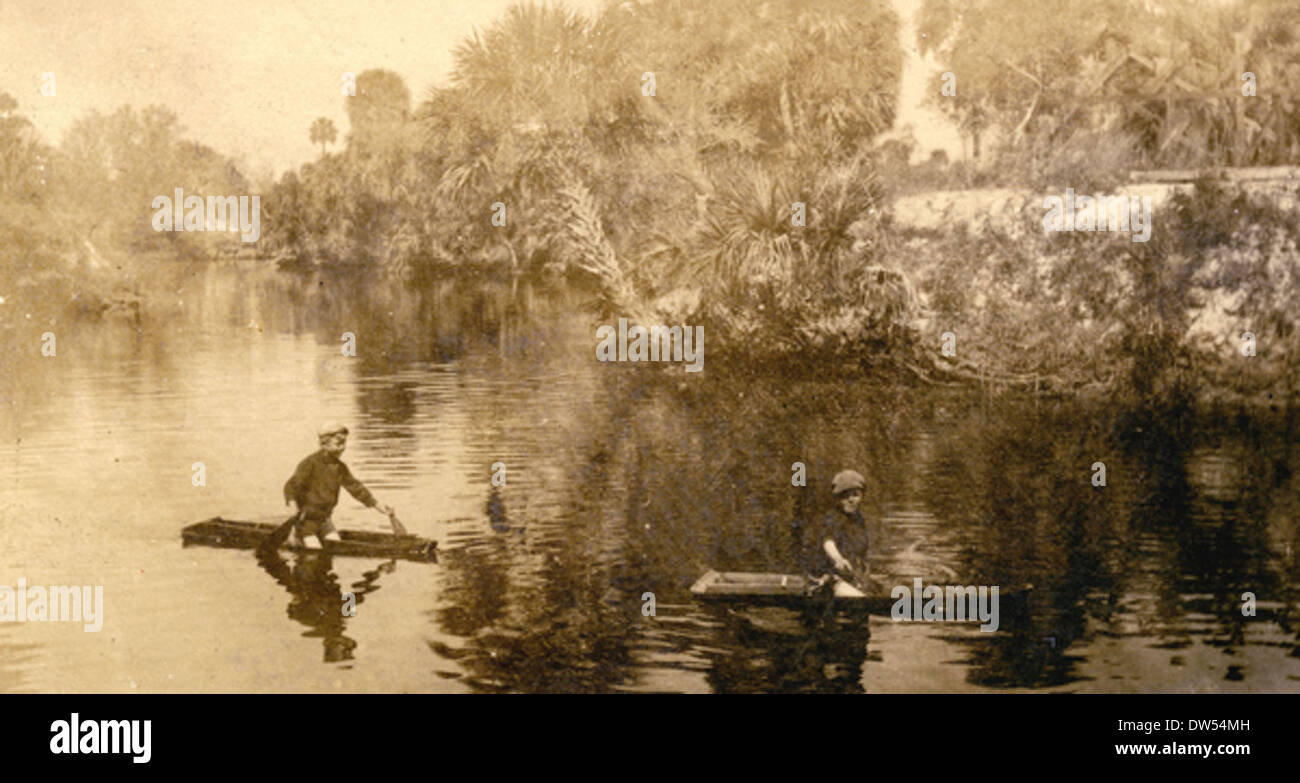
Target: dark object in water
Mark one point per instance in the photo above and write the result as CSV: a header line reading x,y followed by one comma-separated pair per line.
x,y
496,512
787,590
233,534
744,589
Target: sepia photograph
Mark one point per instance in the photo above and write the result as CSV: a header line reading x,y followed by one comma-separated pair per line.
x,y
650,346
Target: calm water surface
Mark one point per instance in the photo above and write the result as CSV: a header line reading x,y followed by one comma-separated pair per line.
x,y
620,480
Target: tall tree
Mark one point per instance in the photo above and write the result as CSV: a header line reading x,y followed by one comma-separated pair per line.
x,y
379,111
22,156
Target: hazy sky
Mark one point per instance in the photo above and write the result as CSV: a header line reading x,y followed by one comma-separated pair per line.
x,y
247,77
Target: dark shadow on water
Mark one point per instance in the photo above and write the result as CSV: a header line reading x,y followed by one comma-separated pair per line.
x,y
661,488
562,633
318,601
637,479
783,651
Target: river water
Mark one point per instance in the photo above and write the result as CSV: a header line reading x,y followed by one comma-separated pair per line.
x,y
620,480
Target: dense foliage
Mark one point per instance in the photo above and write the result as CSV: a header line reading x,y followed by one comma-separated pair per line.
x,y
76,220
660,147
666,149
1158,320
1081,92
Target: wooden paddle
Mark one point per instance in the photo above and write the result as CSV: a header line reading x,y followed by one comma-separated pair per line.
x,y
398,529
278,536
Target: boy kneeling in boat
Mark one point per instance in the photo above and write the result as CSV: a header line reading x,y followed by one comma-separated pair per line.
x,y
314,486
840,532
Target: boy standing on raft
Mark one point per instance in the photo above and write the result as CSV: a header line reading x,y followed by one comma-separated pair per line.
x,y
314,487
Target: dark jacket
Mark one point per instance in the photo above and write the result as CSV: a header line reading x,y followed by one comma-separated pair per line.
x,y
849,532
314,486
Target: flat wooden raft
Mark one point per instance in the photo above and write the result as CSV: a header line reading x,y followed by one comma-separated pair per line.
x,y
234,534
787,590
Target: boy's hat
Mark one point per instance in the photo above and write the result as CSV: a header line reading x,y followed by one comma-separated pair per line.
x,y
331,428
846,480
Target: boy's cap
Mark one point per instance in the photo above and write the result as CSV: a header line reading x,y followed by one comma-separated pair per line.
x,y
332,428
846,480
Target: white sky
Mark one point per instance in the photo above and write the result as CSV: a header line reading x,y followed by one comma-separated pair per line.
x,y
247,77
931,129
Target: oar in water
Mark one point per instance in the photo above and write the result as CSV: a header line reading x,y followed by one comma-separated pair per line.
x,y
278,536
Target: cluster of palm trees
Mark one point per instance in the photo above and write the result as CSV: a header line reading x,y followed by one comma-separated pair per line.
x,y
720,160
658,147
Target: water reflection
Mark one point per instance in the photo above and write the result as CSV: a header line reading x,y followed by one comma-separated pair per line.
x,y
622,480
498,520
15,658
318,601
538,611
782,651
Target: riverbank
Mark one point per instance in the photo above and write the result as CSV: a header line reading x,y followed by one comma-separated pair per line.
x,y
960,287
1206,306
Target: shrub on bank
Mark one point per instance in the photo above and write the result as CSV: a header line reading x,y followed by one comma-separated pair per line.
x,y
1162,319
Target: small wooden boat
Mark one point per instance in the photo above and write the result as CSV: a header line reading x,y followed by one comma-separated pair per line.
x,y
232,534
785,590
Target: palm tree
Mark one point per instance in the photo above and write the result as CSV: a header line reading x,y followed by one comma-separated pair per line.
x,y
323,132
529,69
